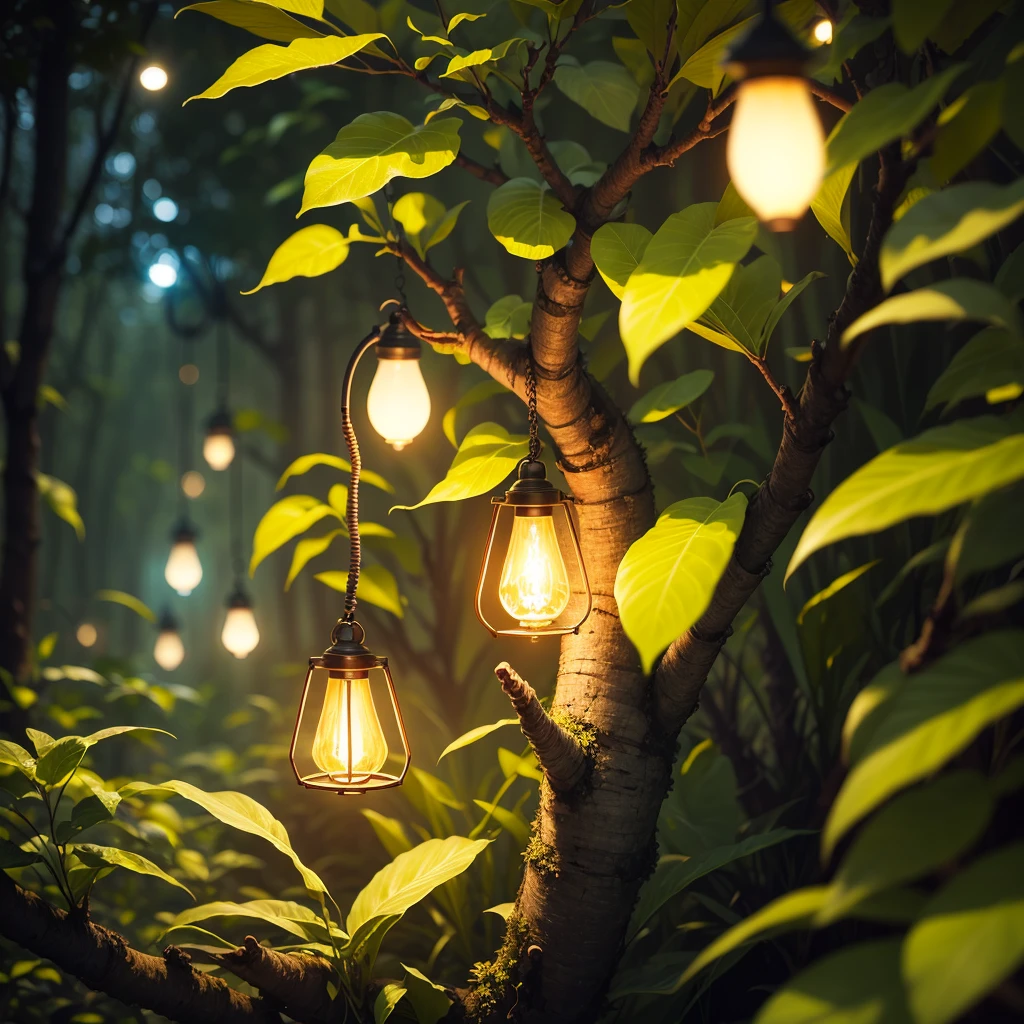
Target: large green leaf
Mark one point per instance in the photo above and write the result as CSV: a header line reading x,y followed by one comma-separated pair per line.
x,y
670,397
284,520
387,999
675,873
884,114
310,252
741,310
509,317
992,359
290,917
832,210
684,268
528,220
269,62
407,880
966,127
991,536
969,938
649,19
17,756
937,470
60,760
377,586
375,148
307,549
605,90
260,19
958,299
950,221
95,856
476,734
698,20
858,985
425,220
780,307
666,578
304,463
487,455
910,837
702,812
901,729
429,1000
617,250
914,20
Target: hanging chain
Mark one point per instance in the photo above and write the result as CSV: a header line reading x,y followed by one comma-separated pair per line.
x,y
389,198
236,523
531,404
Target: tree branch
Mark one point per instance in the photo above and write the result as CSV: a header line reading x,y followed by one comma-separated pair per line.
x,y
562,758
102,959
827,95
492,175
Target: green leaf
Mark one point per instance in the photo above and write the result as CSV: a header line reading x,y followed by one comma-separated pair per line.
x,y
269,62
958,299
63,500
910,837
405,881
685,267
649,20
284,520
373,149
702,813
528,220
476,734
424,219
260,19
284,914
617,250
670,397
913,21
793,910
966,127
902,729
860,984
387,999
18,757
832,210
605,90
60,761
307,549
675,873
992,359
13,856
487,455
45,646
937,470
474,396
239,811
969,939
991,537
698,20
850,36
509,317
666,578
128,601
310,252
430,1002
781,306
377,586
511,821
120,730
838,584
459,65
389,831
886,113
946,222
742,309
304,463
94,856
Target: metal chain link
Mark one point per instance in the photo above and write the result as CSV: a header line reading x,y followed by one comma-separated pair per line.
x,y
531,404
389,198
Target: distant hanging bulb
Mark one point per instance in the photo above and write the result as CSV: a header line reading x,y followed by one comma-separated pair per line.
x,y
169,651
219,442
240,634
823,31
153,78
86,634
183,571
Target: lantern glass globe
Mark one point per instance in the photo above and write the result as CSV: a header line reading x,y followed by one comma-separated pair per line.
x,y
169,651
183,571
240,634
398,402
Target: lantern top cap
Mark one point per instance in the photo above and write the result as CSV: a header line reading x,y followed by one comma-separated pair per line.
x,y
184,532
347,650
396,341
220,422
532,487
768,47
168,623
239,599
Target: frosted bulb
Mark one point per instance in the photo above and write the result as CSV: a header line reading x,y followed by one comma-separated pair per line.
x,y
776,150
169,651
398,403
153,78
218,450
183,570
240,634
534,586
823,31
331,745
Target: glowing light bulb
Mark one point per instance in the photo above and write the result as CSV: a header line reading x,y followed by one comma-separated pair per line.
x,y
823,31
183,571
349,740
218,449
169,651
86,634
153,78
776,149
240,634
398,403
534,586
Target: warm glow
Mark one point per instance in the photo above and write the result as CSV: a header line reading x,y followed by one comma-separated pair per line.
x,y
193,484
188,374
183,570
339,750
86,634
823,31
776,150
153,77
534,585
169,651
398,403
218,450
240,634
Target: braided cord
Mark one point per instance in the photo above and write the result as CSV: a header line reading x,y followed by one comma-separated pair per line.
x,y
531,405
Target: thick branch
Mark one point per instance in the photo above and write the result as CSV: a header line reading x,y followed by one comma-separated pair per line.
x,y
297,982
492,175
563,760
103,960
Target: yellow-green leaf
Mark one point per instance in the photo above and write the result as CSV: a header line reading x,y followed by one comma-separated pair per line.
x,y
310,252
304,463
617,250
259,19
670,397
61,497
528,220
95,856
832,210
307,549
605,90
993,358
284,520
377,586
476,734
128,601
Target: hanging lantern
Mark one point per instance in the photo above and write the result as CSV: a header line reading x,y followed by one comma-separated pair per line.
x,y
240,634
533,581
219,442
776,146
183,571
398,402
169,651
349,736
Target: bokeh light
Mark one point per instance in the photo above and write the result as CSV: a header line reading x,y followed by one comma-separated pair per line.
x,y
165,210
86,634
188,373
164,271
193,484
823,31
153,77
